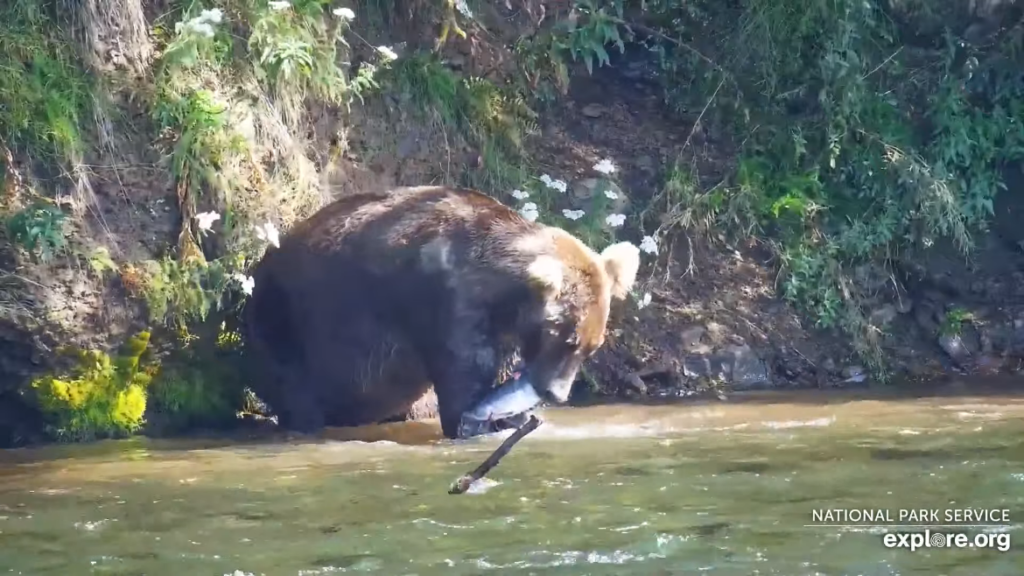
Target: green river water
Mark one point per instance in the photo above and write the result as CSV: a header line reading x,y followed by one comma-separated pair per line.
x,y
715,488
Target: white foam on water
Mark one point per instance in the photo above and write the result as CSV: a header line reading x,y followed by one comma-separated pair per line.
x,y
557,431
482,486
550,430
817,422
962,415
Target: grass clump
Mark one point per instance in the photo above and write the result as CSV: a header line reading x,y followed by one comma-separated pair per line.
x,y
182,292
44,90
44,95
492,119
234,130
100,397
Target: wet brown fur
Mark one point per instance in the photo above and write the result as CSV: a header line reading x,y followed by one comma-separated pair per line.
x,y
379,295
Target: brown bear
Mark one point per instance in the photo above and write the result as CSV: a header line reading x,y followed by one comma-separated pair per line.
x,y
380,295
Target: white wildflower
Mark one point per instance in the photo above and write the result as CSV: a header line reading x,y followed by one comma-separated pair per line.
x,y
279,5
615,220
345,14
645,301
201,25
246,282
611,194
529,211
520,194
553,184
463,8
605,167
206,219
203,29
213,16
268,232
649,245
573,214
387,53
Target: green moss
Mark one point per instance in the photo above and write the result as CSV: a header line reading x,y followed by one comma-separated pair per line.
x,y
101,397
196,395
199,385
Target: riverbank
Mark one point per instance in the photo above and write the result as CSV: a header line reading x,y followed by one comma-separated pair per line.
x,y
775,407
775,190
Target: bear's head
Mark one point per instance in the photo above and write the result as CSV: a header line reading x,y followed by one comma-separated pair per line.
x,y
575,288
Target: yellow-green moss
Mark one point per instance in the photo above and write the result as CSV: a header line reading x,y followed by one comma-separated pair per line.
x,y
101,397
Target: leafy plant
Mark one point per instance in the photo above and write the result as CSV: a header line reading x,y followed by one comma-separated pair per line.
x,y
203,136
38,227
181,292
581,36
952,324
296,49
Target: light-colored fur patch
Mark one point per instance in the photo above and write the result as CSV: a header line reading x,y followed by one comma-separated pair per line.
x,y
436,255
547,272
592,280
621,262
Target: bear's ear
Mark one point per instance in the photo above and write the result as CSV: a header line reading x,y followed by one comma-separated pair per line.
x,y
621,262
546,273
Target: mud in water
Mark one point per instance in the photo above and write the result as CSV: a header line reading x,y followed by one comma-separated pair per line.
x,y
718,488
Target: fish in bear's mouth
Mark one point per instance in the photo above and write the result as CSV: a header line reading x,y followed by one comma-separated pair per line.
x,y
504,407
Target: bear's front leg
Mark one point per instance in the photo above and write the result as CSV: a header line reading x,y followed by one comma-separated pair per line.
x,y
301,412
458,388
462,370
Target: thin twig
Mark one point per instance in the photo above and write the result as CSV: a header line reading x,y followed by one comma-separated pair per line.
x,y
884,62
462,484
701,115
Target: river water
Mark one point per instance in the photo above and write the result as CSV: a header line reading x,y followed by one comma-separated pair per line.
x,y
716,488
